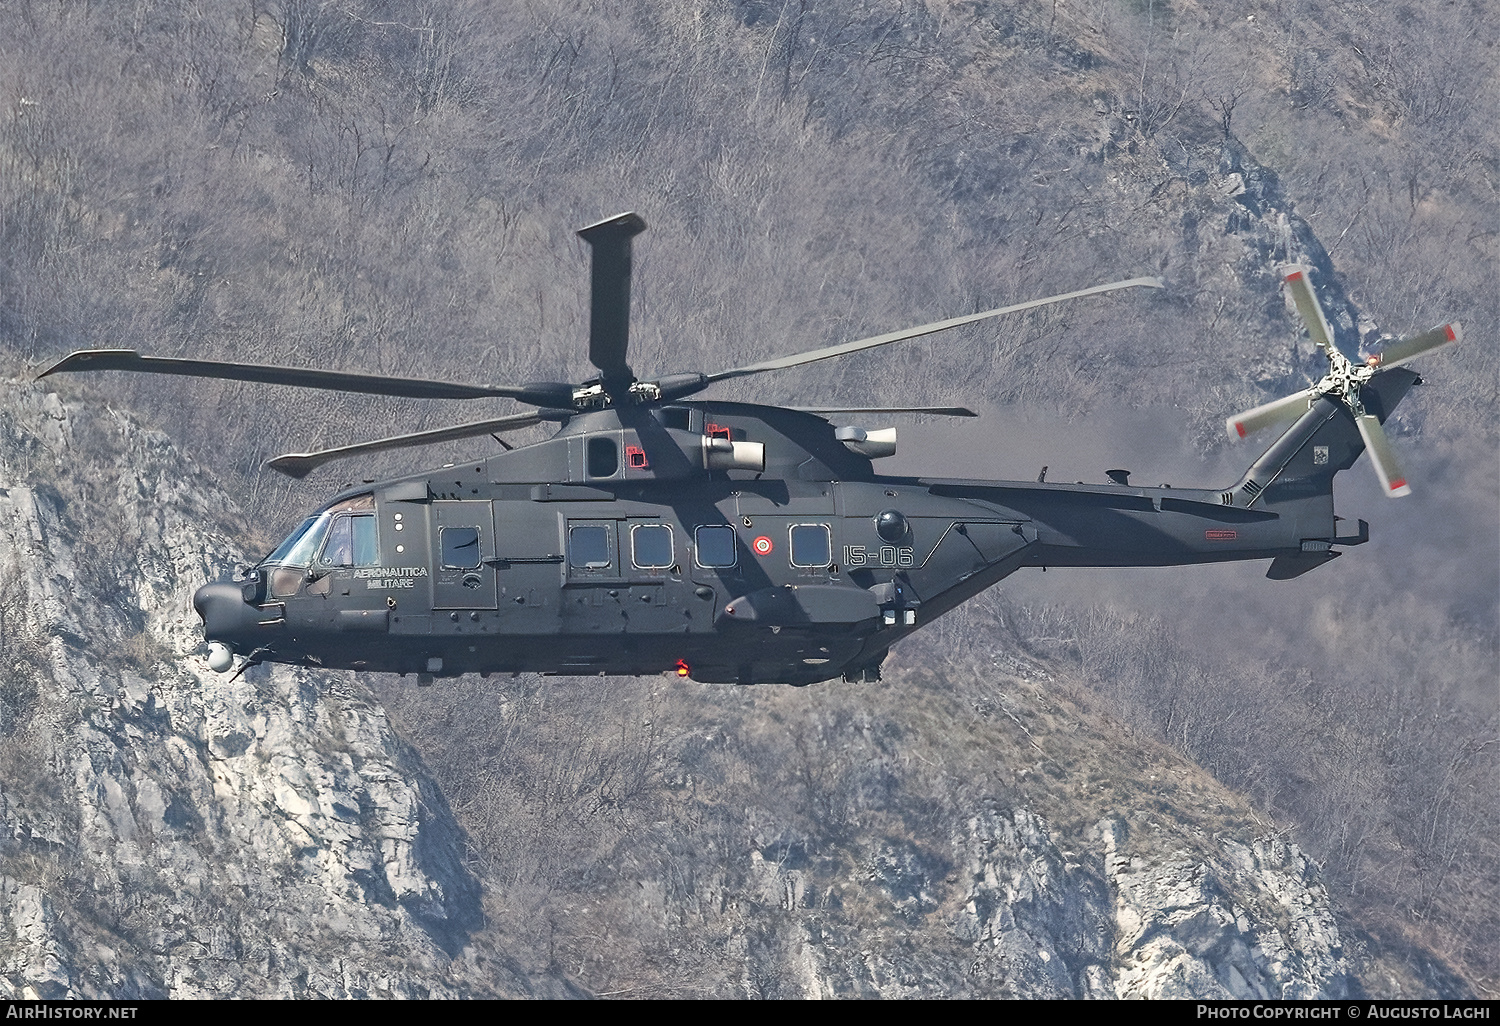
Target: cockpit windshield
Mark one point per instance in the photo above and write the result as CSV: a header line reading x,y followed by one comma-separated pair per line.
x,y
301,544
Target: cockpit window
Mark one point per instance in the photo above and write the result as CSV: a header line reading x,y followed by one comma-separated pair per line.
x,y
307,541
359,504
300,545
366,550
351,542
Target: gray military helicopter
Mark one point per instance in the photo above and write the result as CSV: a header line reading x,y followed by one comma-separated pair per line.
x,y
730,542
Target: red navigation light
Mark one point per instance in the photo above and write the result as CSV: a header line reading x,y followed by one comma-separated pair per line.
x,y
682,668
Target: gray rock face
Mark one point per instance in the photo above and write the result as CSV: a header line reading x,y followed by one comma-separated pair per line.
x,y
169,831
1021,918
1099,925
1182,931
1036,917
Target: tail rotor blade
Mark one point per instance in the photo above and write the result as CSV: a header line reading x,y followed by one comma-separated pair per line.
x,y
1407,349
1300,287
1280,411
1392,481
609,295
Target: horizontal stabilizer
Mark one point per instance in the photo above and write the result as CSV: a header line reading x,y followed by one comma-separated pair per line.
x,y
1284,568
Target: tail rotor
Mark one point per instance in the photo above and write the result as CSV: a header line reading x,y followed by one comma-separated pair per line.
x,y
1344,380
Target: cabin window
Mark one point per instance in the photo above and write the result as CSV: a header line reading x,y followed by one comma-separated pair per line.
x,y
812,545
716,546
603,456
460,548
651,546
588,547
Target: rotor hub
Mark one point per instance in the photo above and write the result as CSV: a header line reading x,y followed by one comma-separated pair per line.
x,y
1344,379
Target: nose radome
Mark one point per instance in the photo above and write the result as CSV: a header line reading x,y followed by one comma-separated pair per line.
x,y
223,610
206,598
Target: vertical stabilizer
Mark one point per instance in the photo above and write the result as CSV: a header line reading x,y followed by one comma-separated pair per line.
x,y
1300,464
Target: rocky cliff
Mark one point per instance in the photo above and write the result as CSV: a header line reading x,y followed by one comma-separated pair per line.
x,y
169,831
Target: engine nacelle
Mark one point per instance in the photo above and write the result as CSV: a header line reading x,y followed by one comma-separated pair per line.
x,y
723,454
871,444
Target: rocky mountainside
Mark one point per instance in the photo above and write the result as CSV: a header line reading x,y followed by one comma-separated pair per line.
x,y
169,831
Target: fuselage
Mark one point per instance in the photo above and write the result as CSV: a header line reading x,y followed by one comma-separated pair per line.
x,y
728,542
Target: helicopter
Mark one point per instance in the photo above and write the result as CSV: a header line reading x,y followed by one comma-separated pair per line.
x,y
729,542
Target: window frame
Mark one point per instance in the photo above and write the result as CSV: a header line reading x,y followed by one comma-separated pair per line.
x,y
791,546
478,544
608,568
734,547
321,562
671,546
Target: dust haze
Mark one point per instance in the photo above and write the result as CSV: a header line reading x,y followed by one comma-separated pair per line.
x,y
1431,567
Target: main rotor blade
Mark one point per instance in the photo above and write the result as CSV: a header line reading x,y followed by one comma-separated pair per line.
x,y
372,384
1392,481
300,464
1301,289
1278,411
609,295
931,411
843,348
1407,349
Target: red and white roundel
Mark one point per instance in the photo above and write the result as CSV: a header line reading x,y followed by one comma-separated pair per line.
x,y
762,546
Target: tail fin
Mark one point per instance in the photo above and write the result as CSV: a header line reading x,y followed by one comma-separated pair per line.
x,y
1294,477
1300,465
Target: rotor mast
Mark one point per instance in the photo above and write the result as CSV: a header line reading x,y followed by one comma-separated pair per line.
x,y
609,300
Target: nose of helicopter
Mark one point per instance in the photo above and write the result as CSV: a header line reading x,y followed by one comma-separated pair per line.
x,y
226,615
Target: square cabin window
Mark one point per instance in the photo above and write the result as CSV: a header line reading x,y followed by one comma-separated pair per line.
x,y
716,546
588,547
651,546
460,548
812,545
